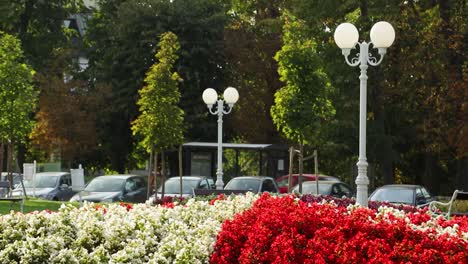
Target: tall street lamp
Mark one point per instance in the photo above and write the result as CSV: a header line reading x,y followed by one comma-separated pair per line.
x,y
230,97
346,37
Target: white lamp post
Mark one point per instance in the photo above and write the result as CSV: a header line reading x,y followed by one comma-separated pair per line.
x,y
210,97
346,37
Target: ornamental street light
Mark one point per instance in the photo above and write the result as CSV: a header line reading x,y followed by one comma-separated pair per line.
x,y
230,97
346,37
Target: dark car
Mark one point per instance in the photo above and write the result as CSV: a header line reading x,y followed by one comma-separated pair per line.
x,y
415,195
282,181
113,188
54,186
332,188
255,184
189,183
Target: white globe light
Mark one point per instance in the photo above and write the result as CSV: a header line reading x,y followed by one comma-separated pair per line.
x,y
382,34
346,36
231,95
210,96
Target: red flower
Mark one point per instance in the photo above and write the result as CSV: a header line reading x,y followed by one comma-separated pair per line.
x,y
218,198
282,230
128,206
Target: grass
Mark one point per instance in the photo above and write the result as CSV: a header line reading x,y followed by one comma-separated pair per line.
x,y
30,205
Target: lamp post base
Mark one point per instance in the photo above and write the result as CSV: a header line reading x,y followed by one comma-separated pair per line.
x,y
219,181
362,183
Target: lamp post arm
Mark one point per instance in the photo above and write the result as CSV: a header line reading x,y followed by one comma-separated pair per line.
x,y
213,112
229,109
373,61
354,61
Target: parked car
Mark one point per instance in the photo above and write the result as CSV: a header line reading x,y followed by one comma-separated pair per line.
x,y
54,186
332,188
16,182
255,184
113,188
189,183
415,195
282,181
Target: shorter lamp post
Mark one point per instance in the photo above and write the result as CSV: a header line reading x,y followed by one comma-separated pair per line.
x,y
230,97
346,37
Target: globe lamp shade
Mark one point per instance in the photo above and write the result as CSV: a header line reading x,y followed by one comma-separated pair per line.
x,y
346,36
210,96
231,95
382,34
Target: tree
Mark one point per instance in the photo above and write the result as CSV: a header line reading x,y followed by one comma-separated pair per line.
x,y
66,120
122,39
252,39
17,95
302,107
160,123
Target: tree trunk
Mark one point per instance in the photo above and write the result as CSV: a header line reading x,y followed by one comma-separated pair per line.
x,y
155,165
180,169
9,160
2,151
150,176
163,173
462,174
301,163
431,174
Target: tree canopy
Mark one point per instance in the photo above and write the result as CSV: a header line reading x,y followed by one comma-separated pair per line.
x,y
281,57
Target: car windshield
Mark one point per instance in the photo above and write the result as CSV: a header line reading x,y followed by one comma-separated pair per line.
x,y
173,186
243,184
393,195
105,184
324,189
42,181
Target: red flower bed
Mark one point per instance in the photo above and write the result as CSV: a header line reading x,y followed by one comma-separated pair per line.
x,y
284,230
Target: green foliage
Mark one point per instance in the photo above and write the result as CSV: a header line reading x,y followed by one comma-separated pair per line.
x,y
122,40
39,26
302,107
161,120
17,93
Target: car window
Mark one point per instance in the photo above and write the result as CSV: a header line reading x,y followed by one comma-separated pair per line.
x,y
243,184
283,182
42,181
204,184
335,190
173,185
419,192
426,194
105,184
130,185
139,182
65,179
268,186
394,195
346,190
212,183
324,188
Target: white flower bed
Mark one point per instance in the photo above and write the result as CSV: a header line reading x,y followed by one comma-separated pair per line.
x,y
111,234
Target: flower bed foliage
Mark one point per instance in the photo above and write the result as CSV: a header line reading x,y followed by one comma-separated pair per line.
x,y
233,229
288,230
124,233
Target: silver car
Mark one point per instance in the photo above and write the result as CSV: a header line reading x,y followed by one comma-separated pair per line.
x,y
255,184
113,188
189,183
54,186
